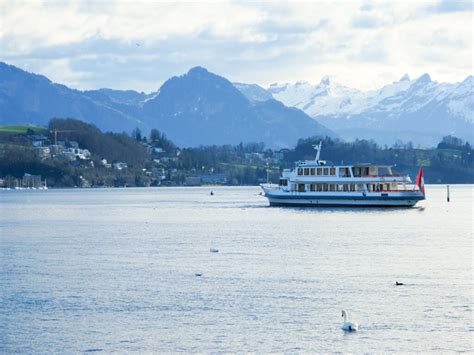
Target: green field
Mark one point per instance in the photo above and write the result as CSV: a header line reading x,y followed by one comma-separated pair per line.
x,y
22,129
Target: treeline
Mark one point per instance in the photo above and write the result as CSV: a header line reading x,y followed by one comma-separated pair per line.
x,y
153,159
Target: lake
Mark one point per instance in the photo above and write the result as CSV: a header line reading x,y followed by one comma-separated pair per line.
x,y
115,270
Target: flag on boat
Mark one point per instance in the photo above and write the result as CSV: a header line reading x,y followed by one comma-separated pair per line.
x,y
420,181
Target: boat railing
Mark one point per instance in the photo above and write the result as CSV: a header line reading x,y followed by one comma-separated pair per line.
x,y
379,175
404,190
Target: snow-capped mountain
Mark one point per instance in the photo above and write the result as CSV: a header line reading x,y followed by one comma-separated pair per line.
x,y
420,110
325,98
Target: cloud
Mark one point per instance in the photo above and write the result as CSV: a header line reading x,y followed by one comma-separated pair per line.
x,y
366,21
447,6
91,44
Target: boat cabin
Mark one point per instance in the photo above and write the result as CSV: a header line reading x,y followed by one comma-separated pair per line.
x,y
345,171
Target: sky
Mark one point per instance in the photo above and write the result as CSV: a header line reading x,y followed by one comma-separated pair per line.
x,y
140,44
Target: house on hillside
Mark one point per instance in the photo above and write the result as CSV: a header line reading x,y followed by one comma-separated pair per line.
x,y
37,140
119,165
43,152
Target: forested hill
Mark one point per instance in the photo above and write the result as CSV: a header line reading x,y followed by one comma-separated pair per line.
x,y
74,153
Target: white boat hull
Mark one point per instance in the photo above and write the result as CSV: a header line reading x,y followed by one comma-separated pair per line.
x,y
277,197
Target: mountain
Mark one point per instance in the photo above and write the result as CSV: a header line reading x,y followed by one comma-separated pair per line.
x,y
198,108
324,98
419,110
27,98
214,111
253,92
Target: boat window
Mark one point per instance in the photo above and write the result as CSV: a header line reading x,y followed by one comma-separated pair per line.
x,y
333,171
326,171
319,187
332,187
300,171
319,171
301,188
344,172
313,171
306,171
283,182
345,187
356,172
312,187
325,187
360,187
353,187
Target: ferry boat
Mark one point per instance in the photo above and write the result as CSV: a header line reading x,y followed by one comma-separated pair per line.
x,y
316,183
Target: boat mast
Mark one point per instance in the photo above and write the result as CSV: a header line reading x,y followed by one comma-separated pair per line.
x,y
318,149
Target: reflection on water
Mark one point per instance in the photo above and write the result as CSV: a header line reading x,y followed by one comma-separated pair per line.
x,y
115,270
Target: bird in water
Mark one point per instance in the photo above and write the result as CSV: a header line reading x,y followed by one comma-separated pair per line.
x,y
348,326
399,283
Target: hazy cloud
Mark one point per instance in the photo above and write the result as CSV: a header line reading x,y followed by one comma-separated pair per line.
x,y
446,6
138,45
366,21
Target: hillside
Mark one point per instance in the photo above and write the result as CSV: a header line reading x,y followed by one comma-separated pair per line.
x,y
197,108
219,114
27,98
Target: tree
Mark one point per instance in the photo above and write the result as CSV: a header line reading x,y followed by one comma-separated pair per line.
x,y
137,134
154,135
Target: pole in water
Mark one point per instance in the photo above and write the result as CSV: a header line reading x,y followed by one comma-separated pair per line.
x,y
447,190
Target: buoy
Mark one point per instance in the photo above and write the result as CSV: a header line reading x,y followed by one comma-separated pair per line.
x,y
447,191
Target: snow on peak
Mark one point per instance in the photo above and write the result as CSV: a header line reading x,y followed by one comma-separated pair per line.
x,y
325,80
406,95
425,78
405,78
301,83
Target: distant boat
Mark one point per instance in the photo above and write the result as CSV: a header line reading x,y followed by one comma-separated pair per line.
x,y
315,183
214,250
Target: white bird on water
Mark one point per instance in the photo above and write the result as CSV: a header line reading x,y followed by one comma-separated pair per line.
x,y
348,326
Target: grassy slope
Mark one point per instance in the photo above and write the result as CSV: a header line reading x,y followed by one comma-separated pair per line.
x,y
22,129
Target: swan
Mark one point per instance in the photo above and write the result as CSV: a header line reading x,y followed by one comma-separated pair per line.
x,y
349,326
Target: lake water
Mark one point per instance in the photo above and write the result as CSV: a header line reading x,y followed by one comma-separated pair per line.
x,y
114,270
